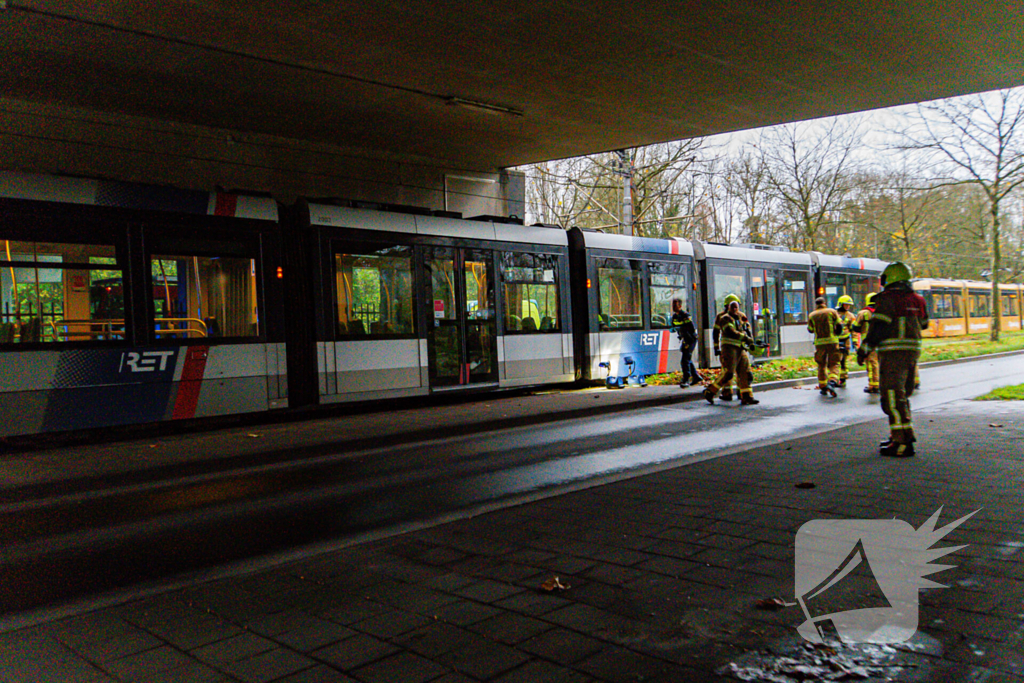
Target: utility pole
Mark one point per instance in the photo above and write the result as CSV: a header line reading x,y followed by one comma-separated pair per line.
x,y
626,171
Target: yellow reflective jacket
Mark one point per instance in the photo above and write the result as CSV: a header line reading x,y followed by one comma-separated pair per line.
x,y
823,323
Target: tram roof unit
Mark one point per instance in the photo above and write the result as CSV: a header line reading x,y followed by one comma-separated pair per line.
x,y
981,284
925,283
652,245
437,226
706,250
95,192
847,262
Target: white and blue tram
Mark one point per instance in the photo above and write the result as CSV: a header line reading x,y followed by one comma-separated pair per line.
x,y
126,304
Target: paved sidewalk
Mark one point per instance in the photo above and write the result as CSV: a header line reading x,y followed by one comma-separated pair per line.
x,y
663,575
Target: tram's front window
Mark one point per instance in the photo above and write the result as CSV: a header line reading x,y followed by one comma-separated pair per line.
x,y
668,282
197,296
374,292
530,287
620,287
59,292
729,281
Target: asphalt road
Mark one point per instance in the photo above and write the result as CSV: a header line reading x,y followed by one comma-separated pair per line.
x,y
59,547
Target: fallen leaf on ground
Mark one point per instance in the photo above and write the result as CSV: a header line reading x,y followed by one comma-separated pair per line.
x,y
806,485
995,424
553,584
254,436
771,604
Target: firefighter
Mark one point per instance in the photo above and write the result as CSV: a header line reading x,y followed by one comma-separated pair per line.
x,y
895,332
716,338
824,323
734,342
861,326
683,325
846,318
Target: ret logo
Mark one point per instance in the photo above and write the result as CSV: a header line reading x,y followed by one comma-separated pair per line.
x,y
858,579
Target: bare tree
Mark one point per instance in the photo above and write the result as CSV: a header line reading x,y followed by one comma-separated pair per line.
x,y
589,191
980,140
809,169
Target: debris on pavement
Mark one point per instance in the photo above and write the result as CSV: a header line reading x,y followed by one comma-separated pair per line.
x,y
553,584
806,485
835,661
995,424
772,604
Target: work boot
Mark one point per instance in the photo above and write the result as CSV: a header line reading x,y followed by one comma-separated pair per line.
x,y
885,444
748,401
897,450
709,396
823,391
868,390
726,395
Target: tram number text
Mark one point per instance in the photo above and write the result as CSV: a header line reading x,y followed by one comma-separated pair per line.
x,y
147,361
649,338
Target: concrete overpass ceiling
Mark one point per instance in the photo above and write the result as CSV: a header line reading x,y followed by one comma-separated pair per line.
x,y
487,84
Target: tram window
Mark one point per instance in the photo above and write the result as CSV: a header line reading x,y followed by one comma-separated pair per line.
x,y
835,287
619,286
860,287
55,292
668,281
957,306
979,305
794,298
196,297
530,288
1008,304
374,292
728,281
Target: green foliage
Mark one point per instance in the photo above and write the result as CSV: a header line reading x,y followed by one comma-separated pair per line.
x,y
1005,393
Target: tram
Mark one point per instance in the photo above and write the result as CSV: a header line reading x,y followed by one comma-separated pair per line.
x,y
124,304
961,307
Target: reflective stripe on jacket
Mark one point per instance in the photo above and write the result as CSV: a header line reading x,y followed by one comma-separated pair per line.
x,y
900,315
847,319
733,334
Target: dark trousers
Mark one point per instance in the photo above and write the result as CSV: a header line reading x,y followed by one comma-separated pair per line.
x,y
687,366
896,382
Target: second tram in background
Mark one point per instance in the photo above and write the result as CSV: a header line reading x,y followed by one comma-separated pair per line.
x,y
961,307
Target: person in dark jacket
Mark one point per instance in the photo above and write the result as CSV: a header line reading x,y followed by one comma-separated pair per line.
x,y
682,323
895,332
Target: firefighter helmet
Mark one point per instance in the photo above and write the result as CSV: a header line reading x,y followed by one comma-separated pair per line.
x,y
731,299
896,272
869,299
845,299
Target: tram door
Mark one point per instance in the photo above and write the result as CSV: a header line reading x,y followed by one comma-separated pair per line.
x,y
461,335
764,298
